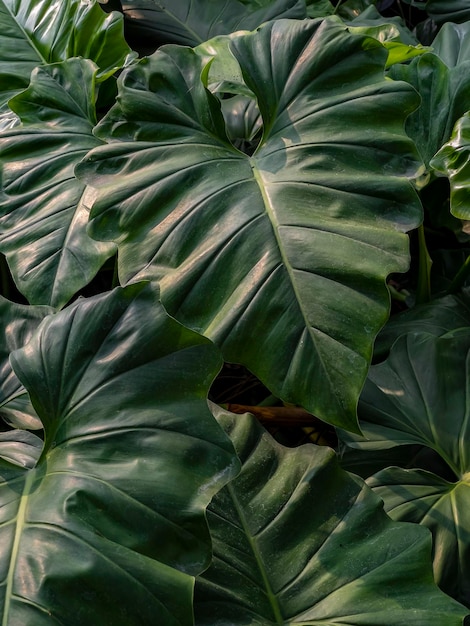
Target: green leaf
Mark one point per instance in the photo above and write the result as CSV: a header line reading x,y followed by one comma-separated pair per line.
x,y
420,396
43,216
108,526
437,318
400,42
280,257
18,324
151,23
287,552
453,160
34,32
319,8
452,44
445,97
443,507
448,10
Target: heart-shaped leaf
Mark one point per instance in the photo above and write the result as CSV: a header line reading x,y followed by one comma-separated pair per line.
x,y
43,218
242,245
108,526
286,552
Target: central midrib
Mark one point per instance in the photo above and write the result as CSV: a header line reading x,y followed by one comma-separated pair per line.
x,y
20,523
259,560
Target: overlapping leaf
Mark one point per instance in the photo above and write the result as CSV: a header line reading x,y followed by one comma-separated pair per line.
x,y
108,524
448,10
420,396
42,215
437,318
445,93
281,257
151,23
18,322
453,160
34,32
286,552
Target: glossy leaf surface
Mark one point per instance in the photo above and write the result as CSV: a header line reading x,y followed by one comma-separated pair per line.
x,y
453,160
280,257
420,396
18,322
34,32
152,23
108,525
448,10
42,215
445,93
443,507
437,317
286,552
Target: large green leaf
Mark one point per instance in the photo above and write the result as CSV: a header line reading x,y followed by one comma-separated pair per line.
x,y
448,10
33,32
420,395
299,541
43,217
151,23
18,322
280,257
108,526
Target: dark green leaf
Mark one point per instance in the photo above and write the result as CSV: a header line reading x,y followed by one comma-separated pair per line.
x,y
43,216
441,506
18,322
152,23
419,396
453,160
437,318
33,32
108,526
287,552
281,257
445,95
448,10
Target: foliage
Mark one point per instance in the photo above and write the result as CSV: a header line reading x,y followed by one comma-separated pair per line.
x,y
254,188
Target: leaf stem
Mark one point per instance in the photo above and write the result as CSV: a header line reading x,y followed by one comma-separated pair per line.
x,y
460,278
423,290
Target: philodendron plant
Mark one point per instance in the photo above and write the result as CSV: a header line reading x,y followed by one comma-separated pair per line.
x,y
188,182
